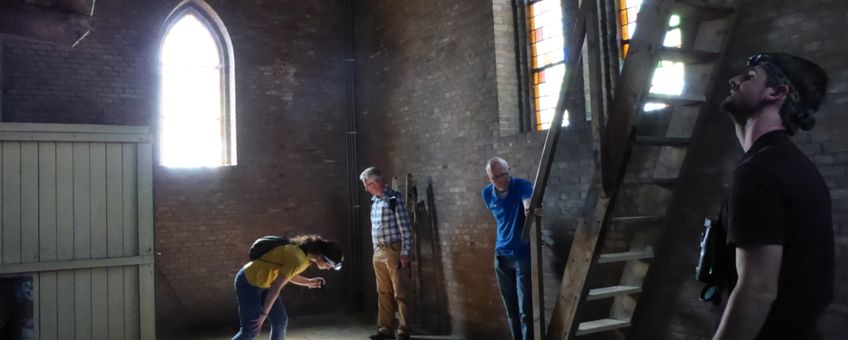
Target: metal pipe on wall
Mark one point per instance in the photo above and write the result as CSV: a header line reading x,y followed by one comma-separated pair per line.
x,y
356,299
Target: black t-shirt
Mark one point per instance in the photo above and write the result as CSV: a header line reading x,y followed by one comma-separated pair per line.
x,y
778,197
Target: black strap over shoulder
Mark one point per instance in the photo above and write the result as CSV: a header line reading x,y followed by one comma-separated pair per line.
x,y
265,244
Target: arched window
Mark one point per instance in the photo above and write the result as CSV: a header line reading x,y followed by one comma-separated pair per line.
x,y
197,115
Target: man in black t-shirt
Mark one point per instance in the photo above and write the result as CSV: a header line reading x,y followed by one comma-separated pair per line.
x,y
778,211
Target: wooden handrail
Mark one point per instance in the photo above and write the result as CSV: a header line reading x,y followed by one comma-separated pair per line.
x,y
575,35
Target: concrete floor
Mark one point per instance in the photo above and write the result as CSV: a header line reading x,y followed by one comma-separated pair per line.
x,y
326,327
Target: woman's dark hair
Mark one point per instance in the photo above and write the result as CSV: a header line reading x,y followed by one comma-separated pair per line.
x,y
807,79
314,244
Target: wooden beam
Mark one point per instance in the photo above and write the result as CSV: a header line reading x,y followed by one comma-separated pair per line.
x,y
74,137
576,33
583,248
1,77
634,83
598,94
21,20
78,128
46,266
82,7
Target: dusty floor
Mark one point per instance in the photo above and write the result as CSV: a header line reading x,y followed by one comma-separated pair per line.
x,y
326,327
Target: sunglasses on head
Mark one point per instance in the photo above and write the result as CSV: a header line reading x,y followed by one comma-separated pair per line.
x,y
773,70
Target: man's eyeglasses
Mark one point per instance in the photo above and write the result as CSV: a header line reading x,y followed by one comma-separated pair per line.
x,y
499,176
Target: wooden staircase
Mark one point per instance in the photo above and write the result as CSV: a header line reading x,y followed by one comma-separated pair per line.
x,y
640,157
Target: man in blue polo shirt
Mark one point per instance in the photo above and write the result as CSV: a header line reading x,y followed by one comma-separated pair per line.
x,y
508,199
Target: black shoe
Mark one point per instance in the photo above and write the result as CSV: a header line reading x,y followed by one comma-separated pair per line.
x,y
403,336
382,336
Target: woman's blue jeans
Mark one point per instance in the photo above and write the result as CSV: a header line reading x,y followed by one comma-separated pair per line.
x,y
250,301
513,274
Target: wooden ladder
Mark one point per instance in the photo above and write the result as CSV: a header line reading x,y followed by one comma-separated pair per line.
x,y
641,154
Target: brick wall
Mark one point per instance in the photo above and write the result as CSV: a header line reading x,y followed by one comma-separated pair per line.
x,y
107,79
811,29
430,102
290,114
431,99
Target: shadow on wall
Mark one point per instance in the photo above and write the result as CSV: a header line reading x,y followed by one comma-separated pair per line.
x,y
431,302
172,317
473,288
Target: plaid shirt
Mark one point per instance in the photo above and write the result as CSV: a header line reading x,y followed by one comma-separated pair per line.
x,y
384,222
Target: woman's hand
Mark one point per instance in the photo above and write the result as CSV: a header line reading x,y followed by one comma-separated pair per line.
x,y
315,282
256,325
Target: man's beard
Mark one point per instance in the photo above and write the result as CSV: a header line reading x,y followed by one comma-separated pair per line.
x,y
740,111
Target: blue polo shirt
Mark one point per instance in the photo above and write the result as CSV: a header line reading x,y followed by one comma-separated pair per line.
x,y
509,213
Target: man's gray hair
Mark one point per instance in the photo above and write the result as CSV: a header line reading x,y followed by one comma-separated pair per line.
x,y
493,160
371,173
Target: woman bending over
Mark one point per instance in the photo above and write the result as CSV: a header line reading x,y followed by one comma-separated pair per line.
x,y
259,282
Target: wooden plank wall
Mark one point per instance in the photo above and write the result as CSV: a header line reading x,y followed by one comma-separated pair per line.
x,y
71,216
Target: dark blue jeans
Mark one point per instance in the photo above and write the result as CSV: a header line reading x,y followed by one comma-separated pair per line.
x,y
250,301
513,274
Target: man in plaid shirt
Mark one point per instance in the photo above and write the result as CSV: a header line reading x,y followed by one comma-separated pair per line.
x,y
391,235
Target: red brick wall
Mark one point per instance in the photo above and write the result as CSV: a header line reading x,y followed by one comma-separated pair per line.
x,y
428,91
428,103
290,126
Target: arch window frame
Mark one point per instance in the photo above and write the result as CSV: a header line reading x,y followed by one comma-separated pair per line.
x,y
219,33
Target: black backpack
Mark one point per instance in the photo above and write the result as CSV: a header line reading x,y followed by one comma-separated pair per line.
x,y
265,244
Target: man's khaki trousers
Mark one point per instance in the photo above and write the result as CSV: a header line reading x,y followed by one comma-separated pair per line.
x,y
392,286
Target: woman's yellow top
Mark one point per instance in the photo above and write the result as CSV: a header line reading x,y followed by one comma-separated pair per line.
x,y
288,260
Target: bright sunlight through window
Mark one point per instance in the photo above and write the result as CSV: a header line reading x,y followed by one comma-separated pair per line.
x,y
669,76
194,110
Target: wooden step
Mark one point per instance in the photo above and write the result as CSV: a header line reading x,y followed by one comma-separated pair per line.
x,y
688,56
626,256
681,100
601,325
701,10
638,219
662,141
612,291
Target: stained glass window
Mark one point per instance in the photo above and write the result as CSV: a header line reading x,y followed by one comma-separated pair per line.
x,y
547,46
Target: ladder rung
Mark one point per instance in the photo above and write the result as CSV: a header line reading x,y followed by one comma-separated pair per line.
x,y
662,141
601,325
688,56
701,10
613,291
637,219
625,256
681,100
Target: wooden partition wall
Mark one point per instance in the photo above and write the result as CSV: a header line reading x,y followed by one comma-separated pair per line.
x,y
76,207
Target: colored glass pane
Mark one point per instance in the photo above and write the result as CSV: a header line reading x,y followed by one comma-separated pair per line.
x,y
548,58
